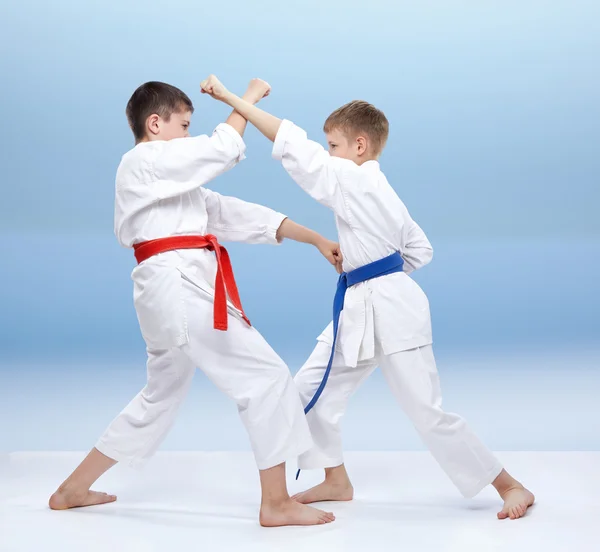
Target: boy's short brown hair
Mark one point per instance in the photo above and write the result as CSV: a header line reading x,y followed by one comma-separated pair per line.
x,y
154,97
360,117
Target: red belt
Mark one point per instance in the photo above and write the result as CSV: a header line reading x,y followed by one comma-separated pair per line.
x,y
224,282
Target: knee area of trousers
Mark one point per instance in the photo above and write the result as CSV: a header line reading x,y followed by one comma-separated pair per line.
x,y
278,378
437,421
170,384
304,383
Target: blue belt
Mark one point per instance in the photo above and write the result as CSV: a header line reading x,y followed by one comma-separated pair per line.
x,y
388,265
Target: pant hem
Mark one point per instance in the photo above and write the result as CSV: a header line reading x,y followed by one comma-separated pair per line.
x,y
474,490
130,461
292,452
320,463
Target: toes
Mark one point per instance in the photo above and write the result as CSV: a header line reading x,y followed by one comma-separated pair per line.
x,y
502,515
99,498
326,518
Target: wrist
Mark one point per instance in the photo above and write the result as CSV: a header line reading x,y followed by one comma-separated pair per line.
x,y
316,239
250,98
228,98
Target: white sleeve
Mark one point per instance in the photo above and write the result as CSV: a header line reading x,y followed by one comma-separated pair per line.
x,y
417,251
184,164
325,178
234,220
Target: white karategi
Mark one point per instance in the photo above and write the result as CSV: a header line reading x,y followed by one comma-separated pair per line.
x,y
385,321
159,194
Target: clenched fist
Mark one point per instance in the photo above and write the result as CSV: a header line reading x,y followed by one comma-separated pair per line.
x,y
257,90
213,87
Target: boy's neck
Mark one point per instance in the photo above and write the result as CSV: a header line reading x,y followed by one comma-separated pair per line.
x,y
363,161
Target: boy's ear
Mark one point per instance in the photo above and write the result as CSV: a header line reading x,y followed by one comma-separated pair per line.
x,y
153,124
361,143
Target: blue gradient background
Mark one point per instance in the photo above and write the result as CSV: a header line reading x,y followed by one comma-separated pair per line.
x,y
494,147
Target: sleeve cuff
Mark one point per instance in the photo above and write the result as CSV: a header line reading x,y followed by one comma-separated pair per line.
x,y
281,139
274,223
235,136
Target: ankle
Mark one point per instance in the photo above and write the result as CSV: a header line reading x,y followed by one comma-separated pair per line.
x,y
71,487
274,503
337,476
505,483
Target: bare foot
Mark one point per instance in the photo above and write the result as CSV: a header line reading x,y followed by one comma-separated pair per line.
x,y
291,512
516,502
63,499
328,490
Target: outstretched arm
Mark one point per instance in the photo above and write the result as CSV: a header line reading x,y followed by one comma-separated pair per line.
x,y
232,219
330,250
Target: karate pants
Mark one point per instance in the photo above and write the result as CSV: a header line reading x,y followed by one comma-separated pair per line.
x,y
240,363
413,378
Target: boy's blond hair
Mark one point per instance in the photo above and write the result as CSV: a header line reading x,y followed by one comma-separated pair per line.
x,y
360,118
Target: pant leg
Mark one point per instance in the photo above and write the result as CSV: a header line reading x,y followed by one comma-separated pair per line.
x,y
414,380
137,432
325,418
243,366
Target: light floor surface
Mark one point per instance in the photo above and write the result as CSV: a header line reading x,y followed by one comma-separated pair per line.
x,y
209,501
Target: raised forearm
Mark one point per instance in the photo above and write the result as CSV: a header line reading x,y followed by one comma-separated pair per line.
x,y
238,121
266,123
